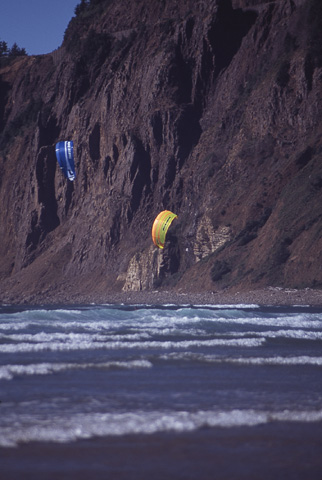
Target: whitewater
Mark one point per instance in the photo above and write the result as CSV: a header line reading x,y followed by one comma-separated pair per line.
x,y
82,372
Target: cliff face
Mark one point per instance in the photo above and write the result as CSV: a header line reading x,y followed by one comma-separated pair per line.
x,y
208,109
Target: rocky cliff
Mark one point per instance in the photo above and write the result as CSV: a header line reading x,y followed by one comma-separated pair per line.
x,y
209,108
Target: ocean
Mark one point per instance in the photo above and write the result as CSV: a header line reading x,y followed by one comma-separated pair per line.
x,y
173,392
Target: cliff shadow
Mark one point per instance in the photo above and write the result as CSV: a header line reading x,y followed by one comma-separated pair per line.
x,y
45,174
227,33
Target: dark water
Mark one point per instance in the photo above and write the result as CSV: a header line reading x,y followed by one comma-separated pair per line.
x,y
73,375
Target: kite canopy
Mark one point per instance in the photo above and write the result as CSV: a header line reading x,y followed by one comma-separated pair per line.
x,y
160,227
65,158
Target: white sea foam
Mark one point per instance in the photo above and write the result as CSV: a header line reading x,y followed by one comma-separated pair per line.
x,y
98,320
299,321
228,306
146,322
43,337
68,428
278,360
42,314
292,334
7,372
274,360
89,344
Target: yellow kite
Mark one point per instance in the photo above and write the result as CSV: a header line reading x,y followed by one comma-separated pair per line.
x,y
160,227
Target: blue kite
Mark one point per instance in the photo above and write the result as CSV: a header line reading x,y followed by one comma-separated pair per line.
x,y
65,158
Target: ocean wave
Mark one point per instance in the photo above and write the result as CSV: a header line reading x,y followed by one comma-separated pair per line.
x,y
113,345
43,313
8,372
299,321
273,360
290,334
155,320
43,337
228,306
63,428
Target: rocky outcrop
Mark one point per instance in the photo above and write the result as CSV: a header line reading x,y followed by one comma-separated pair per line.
x,y
208,109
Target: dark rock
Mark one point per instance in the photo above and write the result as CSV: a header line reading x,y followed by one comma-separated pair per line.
x,y
210,109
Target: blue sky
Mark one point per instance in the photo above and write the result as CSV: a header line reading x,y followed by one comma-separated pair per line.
x,y
36,25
